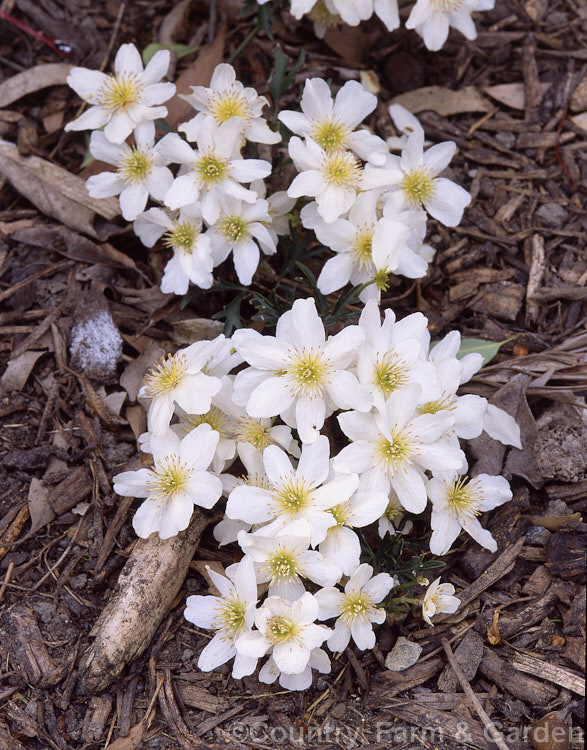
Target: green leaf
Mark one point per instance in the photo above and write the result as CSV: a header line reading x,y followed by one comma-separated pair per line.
x,y
181,50
87,160
487,349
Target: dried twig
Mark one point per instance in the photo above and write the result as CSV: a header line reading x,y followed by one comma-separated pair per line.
x,y
492,730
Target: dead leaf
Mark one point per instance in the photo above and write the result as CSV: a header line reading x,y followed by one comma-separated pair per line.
x,y
553,523
132,740
198,73
551,732
33,79
55,191
195,329
352,44
114,401
132,378
77,247
173,22
18,370
580,120
443,101
493,635
512,94
200,566
137,419
40,509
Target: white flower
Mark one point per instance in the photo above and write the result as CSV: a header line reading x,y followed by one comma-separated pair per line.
x,y
393,353
231,614
298,373
287,630
241,229
392,517
139,171
342,545
178,481
433,18
355,610
286,558
443,199
213,170
180,379
332,124
123,100
302,494
456,503
225,98
439,598
392,448
319,660
192,255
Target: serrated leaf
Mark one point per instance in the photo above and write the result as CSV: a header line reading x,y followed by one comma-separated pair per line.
x,y
487,349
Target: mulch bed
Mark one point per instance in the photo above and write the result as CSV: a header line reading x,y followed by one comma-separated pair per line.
x,y
514,270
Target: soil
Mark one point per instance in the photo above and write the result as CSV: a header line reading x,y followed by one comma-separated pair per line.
x,y
514,271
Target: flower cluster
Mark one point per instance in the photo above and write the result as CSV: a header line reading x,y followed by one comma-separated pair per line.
x,y
296,511
431,19
369,208
206,211
369,205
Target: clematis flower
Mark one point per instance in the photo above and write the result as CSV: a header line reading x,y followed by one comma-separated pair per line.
x,y
298,373
419,184
225,98
302,494
283,560
213,170
439,598
319,660
123,100
182,233
332,124
432,19
231,614
139,171
288,631
178,481
241,229
456,503
392,518
392,448
355,609
180,379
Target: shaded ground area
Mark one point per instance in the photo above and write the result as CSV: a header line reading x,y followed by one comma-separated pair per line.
x,y
515,269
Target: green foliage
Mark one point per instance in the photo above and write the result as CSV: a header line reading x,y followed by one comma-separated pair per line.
x,y
283,76
181,50
487,349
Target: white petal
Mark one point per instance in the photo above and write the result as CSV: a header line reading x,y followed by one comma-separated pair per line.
x,y
202,610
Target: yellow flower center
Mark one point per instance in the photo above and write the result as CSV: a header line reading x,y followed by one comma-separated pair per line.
x,y
341,514
320,14
226,104
381,279
394,511
168,479
233,228
181,237
446,401
136,165
230,620
282,566
362,247
210,169
280,630
355,607
393,453
250,430
307,372
120,93
418,186
330,134
294,495
165,375
340,168
463,497
446,6
391,373
217,420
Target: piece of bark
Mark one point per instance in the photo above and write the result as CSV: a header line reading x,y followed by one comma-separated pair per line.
x,y
99,709
468,655
565,552
510,624
70,491
437,726
24,642
551,672
146,588
518,684
199,698
390,683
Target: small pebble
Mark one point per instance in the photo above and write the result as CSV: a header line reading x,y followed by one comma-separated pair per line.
x,y
506,139
537,536
404,654
552,215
